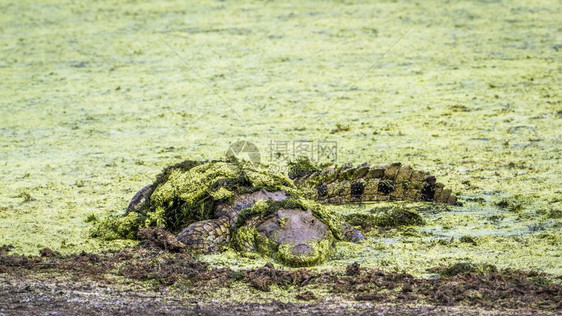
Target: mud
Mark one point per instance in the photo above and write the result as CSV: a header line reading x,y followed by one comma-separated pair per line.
x,y
87,300
146,279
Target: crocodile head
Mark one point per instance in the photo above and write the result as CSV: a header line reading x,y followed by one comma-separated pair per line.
x,y
296,237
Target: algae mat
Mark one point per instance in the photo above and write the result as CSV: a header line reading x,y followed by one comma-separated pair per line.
x,y
94,104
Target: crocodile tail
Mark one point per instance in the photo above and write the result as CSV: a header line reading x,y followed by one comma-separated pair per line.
x,y
363,183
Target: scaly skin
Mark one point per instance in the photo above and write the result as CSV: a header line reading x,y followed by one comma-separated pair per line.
x,y
381,183
206,236
330,185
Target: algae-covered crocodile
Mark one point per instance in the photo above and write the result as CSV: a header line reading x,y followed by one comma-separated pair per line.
x,y
219,203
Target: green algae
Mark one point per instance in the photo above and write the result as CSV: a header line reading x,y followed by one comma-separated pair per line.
x,y
465,267
321,251
189,191
118,227
472,239
386,217
249,242
91,111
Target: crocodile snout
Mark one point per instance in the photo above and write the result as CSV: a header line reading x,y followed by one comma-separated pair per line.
x,y
302,250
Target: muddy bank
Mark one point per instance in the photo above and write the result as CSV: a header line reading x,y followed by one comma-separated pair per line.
x,y
147,278
47,298
42,298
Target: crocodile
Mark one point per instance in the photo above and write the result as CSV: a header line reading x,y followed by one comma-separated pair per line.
x,y
219,203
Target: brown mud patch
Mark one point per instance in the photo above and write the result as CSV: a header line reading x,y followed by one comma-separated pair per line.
x,y
179,281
